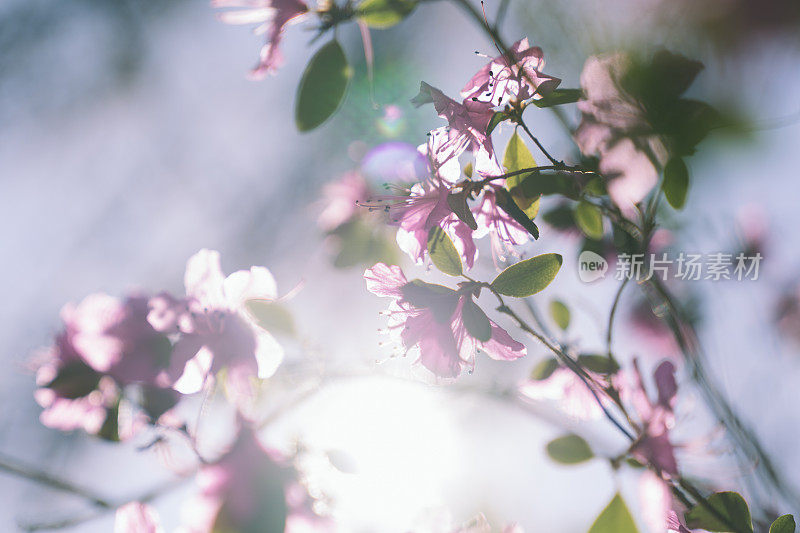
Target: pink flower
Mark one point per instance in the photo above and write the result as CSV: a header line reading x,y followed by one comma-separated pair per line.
x,y
653,446
424,206
467,122
430,319
214,327
247,489
106,345
341,200
787,313
523,79
505,232
272,16
615,128
137,517
652,329
568,390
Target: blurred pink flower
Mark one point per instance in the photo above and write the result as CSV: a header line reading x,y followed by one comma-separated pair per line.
x,y
434,323
568,390
214,328
272,17
658,505
341,200
787,313
653,446
137,517
614,127
250,488
106,344
522,79
653,330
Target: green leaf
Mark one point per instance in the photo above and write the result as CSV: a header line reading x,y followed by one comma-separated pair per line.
x,y
529,276
544,369
74,379
730,514
676,182
599,364
559,97
381,14
783,524
506,203
496,119
615,518
560,314
457,202
476,321
569,450
439,299
322,87
357,242
443,252
517,157
271,316
589,220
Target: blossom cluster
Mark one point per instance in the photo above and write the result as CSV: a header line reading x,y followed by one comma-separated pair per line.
x,y
120,367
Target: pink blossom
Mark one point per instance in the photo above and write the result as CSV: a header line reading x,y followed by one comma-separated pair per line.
x,y
214,327
653,446
652,329
787,313
137,517
615,128
429,318
247,489
467,121
568,390
505,232
272,17
424,206
523,79
106,345
341,200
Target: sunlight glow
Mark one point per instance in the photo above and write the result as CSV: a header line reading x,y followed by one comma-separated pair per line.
x,y
401,442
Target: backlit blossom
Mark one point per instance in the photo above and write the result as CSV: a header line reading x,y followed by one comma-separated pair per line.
x,y
341,199
249,488
653,446
522,79
423,206
106,344
504,231
272,17
137,517
787,313
214,328
430,319
565,387
467,121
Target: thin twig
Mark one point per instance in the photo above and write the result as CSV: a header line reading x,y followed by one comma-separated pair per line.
x,y
613,314
18,468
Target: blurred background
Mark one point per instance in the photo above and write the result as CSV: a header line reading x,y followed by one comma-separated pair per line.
x,y
130,138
